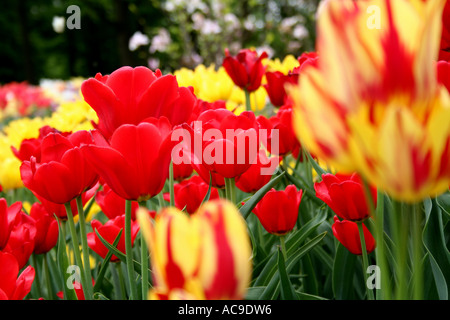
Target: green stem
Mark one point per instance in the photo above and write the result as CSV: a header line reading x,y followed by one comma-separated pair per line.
x,y
418,252
161,200
364,258
283,246
123,292
248,105
129,251
85,247
171,185
400,228
47,278
144,264
230,189
76,249
384,292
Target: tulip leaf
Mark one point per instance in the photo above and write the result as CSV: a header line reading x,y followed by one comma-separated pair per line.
x,y
444,202
292,243
287,290
105,263
253,293
343,272
306,296
438,254
208,194
319,170
272,289
250,204
119,254
99,296
63,264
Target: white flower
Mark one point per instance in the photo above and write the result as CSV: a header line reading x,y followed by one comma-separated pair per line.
x,y
161,41
153,63
138,39
210,27
300,32
58,24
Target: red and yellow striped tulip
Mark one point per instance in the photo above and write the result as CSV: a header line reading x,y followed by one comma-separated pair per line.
x,y
203,256
373,104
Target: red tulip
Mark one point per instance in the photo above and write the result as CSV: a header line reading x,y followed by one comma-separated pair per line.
x,y
306,59
345,195
443,73
286,142
347,233
22,238
201,106
8,216
258,174
135,165
11,287
63,173
46,229
236,149
444,52
59,209
190,193
109,231
78,288
275,86
278,210
182,171
129,96
246,69
218,181
32,147
112,204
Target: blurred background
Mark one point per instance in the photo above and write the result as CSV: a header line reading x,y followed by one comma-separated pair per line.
x,y
37,43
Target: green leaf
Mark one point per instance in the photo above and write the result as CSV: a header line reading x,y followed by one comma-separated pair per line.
x,y
253,293
306,296
343,272
99,296
119,254
292,244
105,264
271,291
434,242
208,194
444,202
250,204
63,264
287,290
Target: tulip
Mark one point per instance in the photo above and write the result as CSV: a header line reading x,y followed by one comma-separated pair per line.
x,y
182,171
22,239
347,233
11,286
109,231
178,243
286,142
246,69
190,193
275,86
129,96
258,174
278,210
62,174
135,165
32,147
345,195
8,217
307,59
378,111
112,204
46,229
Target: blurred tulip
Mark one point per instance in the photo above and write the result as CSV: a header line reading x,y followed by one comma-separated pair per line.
x,y
130,95
246,69
178,243
379,111
347,233
128,165
46,229
345,195
109,231
278,210
11,286
443,73
63,173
